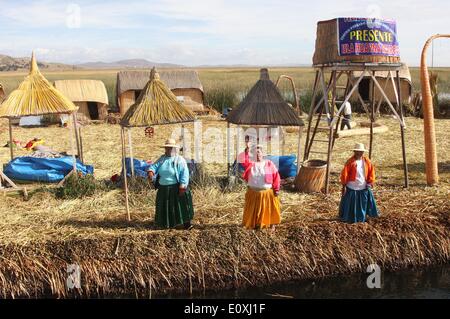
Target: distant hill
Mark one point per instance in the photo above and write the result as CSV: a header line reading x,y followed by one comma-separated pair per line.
x,y
127,64
8,63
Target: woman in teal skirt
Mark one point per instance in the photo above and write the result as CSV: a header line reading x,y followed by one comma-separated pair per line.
x,y
173,200
357,178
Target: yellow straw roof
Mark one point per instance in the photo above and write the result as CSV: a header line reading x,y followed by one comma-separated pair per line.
x,y
156,105
35,96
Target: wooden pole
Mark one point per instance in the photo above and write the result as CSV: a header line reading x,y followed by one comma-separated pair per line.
x,y
11,150
197,140
310,116
330,149
238,146
130,146
124,170
81,144
72,144
77,137
283,145
299,147
228,148
183,142
402,131
372,110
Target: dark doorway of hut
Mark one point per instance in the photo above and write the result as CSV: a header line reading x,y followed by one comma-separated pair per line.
x,y
93,110
325,115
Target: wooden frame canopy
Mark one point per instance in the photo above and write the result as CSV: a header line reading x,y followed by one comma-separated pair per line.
x,y
35,96
263,107
156,105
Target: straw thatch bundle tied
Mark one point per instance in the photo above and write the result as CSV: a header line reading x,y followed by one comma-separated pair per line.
x,y
156,105
264,105
35,96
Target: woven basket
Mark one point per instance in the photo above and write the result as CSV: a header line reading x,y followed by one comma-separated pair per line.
x,y
327,48
311,178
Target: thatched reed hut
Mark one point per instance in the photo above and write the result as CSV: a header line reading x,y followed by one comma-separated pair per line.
x,y
90,96
156,105
185,84
263,107
383,77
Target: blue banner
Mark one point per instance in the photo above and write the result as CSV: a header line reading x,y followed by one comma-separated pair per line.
x,y
366,36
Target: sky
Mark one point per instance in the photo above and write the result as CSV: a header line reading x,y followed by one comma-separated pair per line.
x,y
204,32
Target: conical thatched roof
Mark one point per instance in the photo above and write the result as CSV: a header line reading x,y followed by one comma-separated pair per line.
x,y
35,96
156,105
264,105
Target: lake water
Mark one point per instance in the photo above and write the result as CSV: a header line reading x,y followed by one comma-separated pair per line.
x,y
431,282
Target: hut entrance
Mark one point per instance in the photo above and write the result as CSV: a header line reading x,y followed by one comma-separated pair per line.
x,y
364,89
93,110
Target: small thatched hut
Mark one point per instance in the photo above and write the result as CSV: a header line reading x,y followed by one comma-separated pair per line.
x,y
156,105
89,95
263,107
185,84
365,88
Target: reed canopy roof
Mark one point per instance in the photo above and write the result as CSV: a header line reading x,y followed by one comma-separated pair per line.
x,y
83,90
156,105
174,79
264,105
35,96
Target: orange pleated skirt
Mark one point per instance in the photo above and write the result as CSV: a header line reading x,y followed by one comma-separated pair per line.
x,y
262,209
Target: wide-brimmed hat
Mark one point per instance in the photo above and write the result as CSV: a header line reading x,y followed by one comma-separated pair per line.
x,y
359,147
170,143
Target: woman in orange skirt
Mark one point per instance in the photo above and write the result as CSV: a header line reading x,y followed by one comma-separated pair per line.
x,y
262,204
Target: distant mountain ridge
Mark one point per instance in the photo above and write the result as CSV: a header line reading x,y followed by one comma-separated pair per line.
x,y
8,63
128,64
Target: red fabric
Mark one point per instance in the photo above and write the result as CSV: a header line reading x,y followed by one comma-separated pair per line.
x,y
272,175
348,174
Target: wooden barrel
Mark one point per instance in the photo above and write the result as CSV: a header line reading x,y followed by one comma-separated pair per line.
x,y
327,48
311,177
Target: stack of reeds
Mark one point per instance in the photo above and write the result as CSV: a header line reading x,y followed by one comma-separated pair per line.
x,y
2,93
35,96
156,105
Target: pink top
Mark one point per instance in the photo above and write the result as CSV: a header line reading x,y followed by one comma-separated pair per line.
x,y
272,176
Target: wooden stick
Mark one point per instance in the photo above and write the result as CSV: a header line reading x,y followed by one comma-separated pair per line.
x,y
77,138
130,147
310,116
72,144
124,169
402,130
81,144
197,140
330,149
283,145
372,110
299,147
228,148
238,146
183,142
11,140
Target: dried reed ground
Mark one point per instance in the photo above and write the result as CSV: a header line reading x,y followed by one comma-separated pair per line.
x,y
38,238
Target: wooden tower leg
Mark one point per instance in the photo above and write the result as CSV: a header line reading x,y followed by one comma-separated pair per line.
x,y
228,149
310,116
330,149
130,146
402,130
372,111
11,150
124,170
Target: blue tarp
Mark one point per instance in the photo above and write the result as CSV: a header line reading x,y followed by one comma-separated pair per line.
x,y
285,164
44,170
